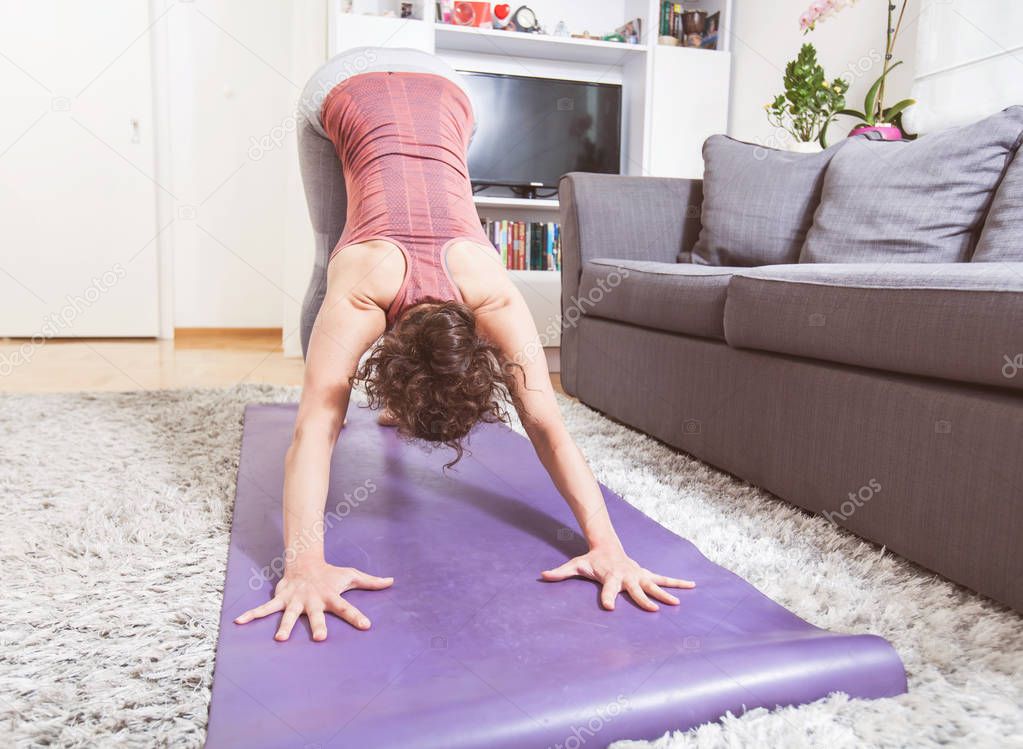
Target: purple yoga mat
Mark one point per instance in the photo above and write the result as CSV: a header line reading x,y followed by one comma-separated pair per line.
x,y
469,648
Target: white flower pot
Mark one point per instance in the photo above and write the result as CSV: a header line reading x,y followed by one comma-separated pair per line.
x,y
800,147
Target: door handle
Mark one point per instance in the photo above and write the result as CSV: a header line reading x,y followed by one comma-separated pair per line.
x,y
136,136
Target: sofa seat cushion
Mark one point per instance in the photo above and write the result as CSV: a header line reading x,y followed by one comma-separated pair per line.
x,y
958,321
676,297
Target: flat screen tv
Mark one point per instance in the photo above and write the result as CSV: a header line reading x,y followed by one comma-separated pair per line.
x,y
530,131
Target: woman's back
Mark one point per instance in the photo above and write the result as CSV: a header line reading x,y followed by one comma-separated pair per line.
x,y
402,140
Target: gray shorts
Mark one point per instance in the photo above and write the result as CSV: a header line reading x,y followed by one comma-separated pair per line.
x,y
369,60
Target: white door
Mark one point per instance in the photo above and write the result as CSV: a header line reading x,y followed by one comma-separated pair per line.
x,y
77,187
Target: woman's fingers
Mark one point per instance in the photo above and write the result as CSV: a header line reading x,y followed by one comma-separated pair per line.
x,y
565,571
655,591
349,613
318,624
609,592
370,582
633,588
291,615
270,607
672,582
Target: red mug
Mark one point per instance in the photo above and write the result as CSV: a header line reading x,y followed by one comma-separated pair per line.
x,y
471,14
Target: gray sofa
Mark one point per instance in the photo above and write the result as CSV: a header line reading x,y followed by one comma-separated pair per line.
x,y
886,396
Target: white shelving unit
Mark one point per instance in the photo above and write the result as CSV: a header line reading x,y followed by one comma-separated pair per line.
x,y
672,97
567,49
534,275
538,204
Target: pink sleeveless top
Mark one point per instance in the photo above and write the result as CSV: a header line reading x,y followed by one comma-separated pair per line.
x,y
402,140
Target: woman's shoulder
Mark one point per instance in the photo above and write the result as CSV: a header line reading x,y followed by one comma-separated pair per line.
x,y
479,275
372,270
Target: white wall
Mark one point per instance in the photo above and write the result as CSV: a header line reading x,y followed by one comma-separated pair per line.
x,y
309,50
766,35
230,99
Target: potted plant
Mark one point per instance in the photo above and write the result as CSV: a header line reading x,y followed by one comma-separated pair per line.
x,y
875,116
809,102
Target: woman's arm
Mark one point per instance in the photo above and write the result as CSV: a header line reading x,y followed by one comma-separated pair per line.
x,y
338,340
507,322
348,323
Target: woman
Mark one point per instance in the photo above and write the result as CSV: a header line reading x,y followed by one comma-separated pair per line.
x,y
414,270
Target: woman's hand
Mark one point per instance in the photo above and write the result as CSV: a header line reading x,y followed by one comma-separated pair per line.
x,y
618,573
314,590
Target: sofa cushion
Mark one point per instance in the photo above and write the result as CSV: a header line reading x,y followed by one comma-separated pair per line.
x,y
758,202
912,201
677,297
1002,237
958,321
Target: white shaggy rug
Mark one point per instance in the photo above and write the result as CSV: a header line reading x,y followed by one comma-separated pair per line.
x,y
116,510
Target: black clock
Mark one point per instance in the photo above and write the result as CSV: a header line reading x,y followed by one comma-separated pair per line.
x,y
525,20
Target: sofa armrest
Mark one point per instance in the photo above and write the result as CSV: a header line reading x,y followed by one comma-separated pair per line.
x,y
625,218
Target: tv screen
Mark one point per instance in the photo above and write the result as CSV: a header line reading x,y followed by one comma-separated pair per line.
x,y
530,131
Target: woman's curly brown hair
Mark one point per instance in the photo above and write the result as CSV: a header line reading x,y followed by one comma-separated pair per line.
x,y
436,376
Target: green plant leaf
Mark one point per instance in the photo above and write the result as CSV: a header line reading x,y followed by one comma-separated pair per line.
x,y
809,101
895,109
897,121
823,139
871,100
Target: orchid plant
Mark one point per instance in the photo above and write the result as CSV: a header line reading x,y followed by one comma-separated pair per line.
x,y
820,11
875,113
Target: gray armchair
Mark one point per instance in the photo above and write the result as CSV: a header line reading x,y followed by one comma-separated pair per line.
x,y
625,218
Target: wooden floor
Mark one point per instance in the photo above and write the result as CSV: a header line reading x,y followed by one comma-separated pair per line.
x,y
195,358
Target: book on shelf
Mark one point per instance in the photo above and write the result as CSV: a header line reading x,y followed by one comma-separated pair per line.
x,y
671,19
671,24
525,245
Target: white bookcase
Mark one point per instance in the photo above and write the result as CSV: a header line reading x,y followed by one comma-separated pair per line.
x,y
672,97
